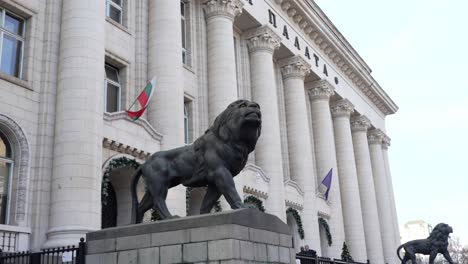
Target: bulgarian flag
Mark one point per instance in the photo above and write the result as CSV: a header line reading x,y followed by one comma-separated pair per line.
x,y
144,98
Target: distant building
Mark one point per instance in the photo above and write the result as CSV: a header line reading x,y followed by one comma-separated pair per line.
x,y
416,229
68,69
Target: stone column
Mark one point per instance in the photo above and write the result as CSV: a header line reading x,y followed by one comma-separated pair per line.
x,y
370,216
75,206
396,228
325,155
262,42
222,83
383,199
166,111
349,186
302,169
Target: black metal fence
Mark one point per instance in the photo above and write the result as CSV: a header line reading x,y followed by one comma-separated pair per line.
x,y
304,259
61,255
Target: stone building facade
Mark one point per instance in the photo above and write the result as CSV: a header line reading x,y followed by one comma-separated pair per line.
x,y
69,69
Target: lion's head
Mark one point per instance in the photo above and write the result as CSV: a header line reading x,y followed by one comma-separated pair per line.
x,y
241,122
440,235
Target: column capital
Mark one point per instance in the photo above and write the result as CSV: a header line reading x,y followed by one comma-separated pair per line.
x,y
294,67
385,142
360,123
262,38
375,136
226,8
320,90
342,107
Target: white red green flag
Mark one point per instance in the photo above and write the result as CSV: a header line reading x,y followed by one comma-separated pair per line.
x,y
143,99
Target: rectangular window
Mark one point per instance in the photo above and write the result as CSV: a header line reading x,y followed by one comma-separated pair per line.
x,y
183,23
187,122
12,29
112,90
114,9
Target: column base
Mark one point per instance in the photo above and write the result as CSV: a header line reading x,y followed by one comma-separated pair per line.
x,y
65,236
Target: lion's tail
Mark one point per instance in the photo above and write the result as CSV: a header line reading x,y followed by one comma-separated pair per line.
x,y
398,251
133,187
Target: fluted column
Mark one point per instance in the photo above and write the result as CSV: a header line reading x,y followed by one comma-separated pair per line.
x,y
301,164
166,111
262,42
383,199
75,206
222,83
325,155
349,186
370,216
396,228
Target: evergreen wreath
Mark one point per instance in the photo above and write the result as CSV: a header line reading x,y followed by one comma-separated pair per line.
x,y
257,203
117,163
345,255
188,193
325,225
298,219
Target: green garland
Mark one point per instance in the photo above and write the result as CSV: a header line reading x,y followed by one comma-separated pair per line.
x,y
188,192
117,163
217,207
298,219
257,203
325,225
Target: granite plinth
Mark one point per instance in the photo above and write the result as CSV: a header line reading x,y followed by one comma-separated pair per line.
x,y
238,236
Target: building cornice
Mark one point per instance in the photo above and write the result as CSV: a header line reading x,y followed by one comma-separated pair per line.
x,y
320,30
156,135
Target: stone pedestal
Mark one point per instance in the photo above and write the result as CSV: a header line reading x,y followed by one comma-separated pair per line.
x,y
238,236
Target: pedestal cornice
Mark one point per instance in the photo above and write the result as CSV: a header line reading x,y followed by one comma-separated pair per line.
x,y
262,38
320,90
342,108
375,136
294,67
360,123
226,8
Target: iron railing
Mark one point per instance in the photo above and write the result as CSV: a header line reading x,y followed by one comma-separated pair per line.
x,y
307,259
60,255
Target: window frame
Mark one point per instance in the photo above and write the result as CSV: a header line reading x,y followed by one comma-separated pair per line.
x,y
110,3
183,18
11,162
186,123
112,82
21,38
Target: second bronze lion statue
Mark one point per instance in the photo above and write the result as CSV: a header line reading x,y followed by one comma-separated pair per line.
x,y
212,161
437,242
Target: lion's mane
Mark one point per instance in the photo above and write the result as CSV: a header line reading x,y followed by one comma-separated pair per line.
x,y
220,130
439,236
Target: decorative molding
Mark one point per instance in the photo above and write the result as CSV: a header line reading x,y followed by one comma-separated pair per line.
x,y
375,136
386,142
227,8
124,149
342,108
294,67
294,205
321,30
262,39
295,186
258,170
255,192
321,90
122,115
360,123
22,156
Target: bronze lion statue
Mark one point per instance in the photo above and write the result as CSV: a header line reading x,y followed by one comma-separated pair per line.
x,y
437,242
211,161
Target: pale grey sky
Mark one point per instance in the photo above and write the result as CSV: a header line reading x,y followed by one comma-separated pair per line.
x,y
418,51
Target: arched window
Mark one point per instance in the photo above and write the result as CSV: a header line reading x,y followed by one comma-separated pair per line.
x,y
6,168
